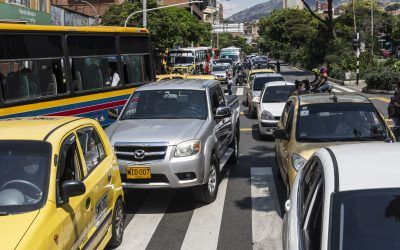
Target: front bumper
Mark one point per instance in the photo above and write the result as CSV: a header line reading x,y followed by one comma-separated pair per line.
x,y
267,127
164,173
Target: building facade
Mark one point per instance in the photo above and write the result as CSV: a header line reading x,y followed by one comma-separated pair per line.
x,y
292,4
99,6
25,11
197,12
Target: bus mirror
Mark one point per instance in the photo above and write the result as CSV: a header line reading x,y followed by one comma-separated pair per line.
x,y
113,114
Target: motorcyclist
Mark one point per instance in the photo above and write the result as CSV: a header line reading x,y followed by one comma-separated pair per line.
x,y
324,85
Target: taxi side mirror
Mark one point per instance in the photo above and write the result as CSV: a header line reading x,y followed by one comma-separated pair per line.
x,y
281,134
72,188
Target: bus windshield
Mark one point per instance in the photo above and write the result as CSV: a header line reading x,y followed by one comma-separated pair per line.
x,y
184,57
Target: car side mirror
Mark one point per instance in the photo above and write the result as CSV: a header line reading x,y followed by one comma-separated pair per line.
x,y
281,134
256,100
223,112
72,188
287,205
113,114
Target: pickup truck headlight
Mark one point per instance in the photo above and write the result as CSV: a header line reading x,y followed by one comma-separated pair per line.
x,y
298,161
265,115
187,148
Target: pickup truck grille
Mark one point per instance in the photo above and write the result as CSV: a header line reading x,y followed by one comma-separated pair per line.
x,y
140,152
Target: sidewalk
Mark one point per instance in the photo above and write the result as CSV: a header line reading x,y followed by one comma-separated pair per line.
x,y
352,85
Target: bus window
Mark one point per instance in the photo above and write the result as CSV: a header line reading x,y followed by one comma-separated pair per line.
x,y
24,80
31,66
136,67
93,62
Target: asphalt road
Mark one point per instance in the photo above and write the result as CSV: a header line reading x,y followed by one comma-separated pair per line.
x,y
247,213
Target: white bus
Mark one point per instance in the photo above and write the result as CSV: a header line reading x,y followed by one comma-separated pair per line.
x,y
233,53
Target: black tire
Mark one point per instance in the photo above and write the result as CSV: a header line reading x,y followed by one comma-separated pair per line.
x,y
117,223
253,113
202,193
235,146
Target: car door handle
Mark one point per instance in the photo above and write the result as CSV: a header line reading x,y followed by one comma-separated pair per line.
x,y
88,204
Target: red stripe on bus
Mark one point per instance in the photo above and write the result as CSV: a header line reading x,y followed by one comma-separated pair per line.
x,y
88,109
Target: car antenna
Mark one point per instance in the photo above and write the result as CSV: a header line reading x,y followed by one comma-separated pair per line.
x,y
334,97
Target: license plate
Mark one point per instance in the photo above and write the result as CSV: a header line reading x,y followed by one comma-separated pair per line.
x,y
138,173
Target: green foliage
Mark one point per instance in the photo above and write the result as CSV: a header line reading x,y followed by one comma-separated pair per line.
x,y
382,79
227,39
293,35
168,27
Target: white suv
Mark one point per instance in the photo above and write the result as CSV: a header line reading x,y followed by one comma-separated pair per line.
x,y
346,197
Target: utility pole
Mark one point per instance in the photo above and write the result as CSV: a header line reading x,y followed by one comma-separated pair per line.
x,y
372,27
191,8
144,13
358,57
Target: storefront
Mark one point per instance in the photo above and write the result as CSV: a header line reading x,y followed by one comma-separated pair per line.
x,y
26,11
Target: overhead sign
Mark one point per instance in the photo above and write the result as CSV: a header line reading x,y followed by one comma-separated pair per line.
x,y
11,12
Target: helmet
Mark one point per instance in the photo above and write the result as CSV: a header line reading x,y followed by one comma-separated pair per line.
x,y
324,70
316,71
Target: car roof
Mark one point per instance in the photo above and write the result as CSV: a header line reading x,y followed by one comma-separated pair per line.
x,y
263,75
367,165
32,128
279,83
194,84
328,98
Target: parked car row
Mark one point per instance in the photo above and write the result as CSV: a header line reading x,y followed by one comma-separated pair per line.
x,y
336,158
63,177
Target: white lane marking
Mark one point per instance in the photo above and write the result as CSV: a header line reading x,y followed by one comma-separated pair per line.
x,y
266,220
204,227
345,89
141,228
336,90
239,91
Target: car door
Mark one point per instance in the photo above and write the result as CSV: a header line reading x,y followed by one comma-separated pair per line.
x,y
282,145
98,167
222,126
77,213
311,206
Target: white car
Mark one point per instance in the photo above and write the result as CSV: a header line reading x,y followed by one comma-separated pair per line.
x,y
270,105
346,197
219,71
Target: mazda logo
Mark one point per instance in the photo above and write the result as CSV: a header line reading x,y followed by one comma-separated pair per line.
x,y
139,154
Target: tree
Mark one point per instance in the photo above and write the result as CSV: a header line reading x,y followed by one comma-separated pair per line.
x,y
168,27
227,40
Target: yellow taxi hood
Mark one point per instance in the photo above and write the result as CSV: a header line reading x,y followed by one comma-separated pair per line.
x,y
13,228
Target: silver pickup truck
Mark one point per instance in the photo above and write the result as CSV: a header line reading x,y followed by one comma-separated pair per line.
x,y
176,134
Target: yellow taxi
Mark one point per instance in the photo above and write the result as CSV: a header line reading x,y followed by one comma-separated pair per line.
x,y
60,186
253,72
184,76
310,122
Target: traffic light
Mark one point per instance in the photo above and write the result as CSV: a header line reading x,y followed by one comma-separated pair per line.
x,y
204,5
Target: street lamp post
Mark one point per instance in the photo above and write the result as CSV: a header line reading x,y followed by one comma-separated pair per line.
x,y
158,8
91,5
145,13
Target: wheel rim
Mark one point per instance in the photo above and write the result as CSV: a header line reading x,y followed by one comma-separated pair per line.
x,y
119,222
212,179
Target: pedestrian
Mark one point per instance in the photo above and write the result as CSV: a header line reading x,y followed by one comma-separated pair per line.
x,y
278,66
393,111
230,84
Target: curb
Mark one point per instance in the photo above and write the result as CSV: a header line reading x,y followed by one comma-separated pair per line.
x,y
377,91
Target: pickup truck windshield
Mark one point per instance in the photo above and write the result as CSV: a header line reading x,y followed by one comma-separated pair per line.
x,y
259,82
167,104
326,122
24,168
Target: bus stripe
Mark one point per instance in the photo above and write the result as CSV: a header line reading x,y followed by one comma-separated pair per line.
x,y
88,109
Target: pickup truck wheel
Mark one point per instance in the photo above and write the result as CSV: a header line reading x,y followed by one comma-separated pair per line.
x,y
207,193
235,146
117,224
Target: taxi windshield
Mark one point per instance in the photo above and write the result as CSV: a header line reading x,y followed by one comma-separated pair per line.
x,y
24,168
326,122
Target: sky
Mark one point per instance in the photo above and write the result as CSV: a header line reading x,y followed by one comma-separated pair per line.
x,y
233,6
